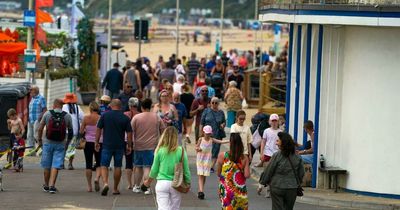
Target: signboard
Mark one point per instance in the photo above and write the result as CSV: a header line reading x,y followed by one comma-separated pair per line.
x,y
30,60
29,18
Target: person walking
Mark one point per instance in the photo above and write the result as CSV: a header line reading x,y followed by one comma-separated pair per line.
x,y
132,78
178,84
193,66
187,99
215,118
58,124
133,110
71,107
167,73
199,80
125,96
113,81
167,155
181,109
147,127
114,125
233,170
245,133
37,108
283,174
233,99
88,130
204,157
197,108
165,110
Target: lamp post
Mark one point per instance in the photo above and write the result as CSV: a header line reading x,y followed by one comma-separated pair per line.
x,y
222,23
109,43
177,29
255,33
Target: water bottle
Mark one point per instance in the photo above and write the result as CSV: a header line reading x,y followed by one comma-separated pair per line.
x,y
322,161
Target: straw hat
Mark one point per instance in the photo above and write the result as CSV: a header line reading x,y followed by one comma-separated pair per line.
x,y
70,98
105,98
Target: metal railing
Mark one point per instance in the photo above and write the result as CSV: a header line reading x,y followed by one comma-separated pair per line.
x,y
266,3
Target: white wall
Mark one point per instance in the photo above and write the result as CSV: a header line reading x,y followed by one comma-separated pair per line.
x,y
370,109
359,113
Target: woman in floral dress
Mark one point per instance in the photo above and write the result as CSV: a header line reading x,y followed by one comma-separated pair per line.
x,y
233,170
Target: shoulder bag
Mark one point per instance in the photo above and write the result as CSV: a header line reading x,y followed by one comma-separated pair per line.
x,y
299,188
179,183
82,141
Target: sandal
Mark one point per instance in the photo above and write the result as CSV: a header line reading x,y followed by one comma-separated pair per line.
x,y
96,186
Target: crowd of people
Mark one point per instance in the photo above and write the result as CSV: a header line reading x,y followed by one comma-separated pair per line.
x,y
153,136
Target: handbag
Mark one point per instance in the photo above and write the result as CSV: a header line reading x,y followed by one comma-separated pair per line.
x,y
299,188
178,183
81,144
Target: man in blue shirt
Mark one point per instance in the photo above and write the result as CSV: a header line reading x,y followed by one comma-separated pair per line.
x,y
114,125
210,64
113,81
37,108
180,107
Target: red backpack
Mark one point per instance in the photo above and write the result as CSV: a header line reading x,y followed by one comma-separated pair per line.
x,y
56,127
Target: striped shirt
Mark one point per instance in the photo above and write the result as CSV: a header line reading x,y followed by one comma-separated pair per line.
x,y
36,107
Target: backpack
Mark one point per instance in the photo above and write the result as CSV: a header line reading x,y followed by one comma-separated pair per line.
x,y
217,80
264,124
56,127
144,77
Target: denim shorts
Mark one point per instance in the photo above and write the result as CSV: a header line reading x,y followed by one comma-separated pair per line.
x,y
143,158
215,150
53,155
108,153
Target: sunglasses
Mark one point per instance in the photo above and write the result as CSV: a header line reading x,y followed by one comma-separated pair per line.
x,y
214,102
204,91
241,118
129,86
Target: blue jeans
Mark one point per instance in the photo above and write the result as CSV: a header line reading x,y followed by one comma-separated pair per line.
x,y
53,155
309,158
108,153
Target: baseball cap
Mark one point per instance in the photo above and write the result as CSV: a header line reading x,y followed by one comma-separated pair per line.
x,y
207,129
273,117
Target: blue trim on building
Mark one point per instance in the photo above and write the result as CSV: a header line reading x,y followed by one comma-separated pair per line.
x,y
333,13
297,96
372,194
289,77
317,105
307,80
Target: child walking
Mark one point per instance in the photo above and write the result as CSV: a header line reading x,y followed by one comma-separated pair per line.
x,y
17,143
204,157
268,145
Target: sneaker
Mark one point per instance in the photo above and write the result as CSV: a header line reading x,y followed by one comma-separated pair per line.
x,y
200,195
147,192
212,170
52,189
136,189
45,188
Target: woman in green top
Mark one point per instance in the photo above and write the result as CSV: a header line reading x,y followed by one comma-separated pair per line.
x,y
167,155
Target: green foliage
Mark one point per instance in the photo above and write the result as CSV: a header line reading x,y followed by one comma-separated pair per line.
x,y
55,41
63,73
88,77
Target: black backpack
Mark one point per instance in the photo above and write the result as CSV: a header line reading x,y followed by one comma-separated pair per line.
x,y
56,127
264,124
144,77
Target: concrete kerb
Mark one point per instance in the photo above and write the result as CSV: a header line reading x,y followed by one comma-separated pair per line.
x,y
326,200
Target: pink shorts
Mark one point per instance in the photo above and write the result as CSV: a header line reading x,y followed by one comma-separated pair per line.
x,y
266,158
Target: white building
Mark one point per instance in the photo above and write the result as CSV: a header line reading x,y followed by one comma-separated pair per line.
x,y
344,74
